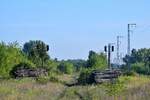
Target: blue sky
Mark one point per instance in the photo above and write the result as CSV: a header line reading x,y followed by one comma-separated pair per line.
x,y
73,27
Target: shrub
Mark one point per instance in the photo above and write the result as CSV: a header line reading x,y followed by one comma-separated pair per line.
x,y
114,89
84,77
66,67
53,77
10,55
97,60
46,79
42,80
130,73
140,68
52,66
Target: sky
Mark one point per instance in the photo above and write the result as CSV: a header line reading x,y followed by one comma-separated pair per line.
x,y
74,27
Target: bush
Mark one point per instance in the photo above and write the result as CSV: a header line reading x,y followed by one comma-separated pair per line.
x,y
97,60
130,73
52,66
42,80
66,67
46,79
53,77
84,77
10,55
140,68
114,89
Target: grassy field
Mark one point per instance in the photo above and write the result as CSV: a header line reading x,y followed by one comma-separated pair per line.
x,y
127,88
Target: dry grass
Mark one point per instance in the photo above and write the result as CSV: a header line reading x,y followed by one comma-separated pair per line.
x,y
28,89
137,88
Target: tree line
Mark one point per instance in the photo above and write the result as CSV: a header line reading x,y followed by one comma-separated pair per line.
x,y
139,60
34,54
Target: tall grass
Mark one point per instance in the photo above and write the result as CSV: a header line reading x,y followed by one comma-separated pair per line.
x,y
135,88
28,89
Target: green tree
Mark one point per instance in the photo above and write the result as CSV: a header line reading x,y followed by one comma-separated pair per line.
x,y
10,55
78,64
36,52
66,67
96,60
139,60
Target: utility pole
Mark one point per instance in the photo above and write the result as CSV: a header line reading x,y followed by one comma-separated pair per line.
x,y
129,44
118,49
109,56
109,50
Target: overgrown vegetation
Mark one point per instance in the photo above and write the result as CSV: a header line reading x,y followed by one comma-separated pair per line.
x,y
139,60
22,65
128,88
96,60
11,55
84,77
61,73
66,67
36,51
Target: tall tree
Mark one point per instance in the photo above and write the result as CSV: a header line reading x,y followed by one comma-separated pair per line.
x,y
97,60
36,51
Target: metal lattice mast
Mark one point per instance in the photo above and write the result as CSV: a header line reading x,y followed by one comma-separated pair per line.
x,y
118,49
129,44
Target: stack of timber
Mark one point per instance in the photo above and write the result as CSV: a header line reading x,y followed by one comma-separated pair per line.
x,y
104,76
